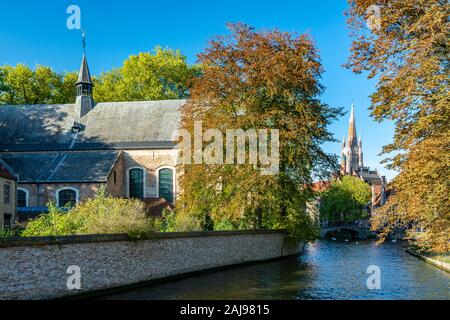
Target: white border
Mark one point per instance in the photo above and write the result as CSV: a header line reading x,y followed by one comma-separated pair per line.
x,y
144,177
77,194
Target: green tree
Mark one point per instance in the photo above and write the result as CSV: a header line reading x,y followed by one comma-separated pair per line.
x,y
408,53
146,76
345,200
259,80
21,84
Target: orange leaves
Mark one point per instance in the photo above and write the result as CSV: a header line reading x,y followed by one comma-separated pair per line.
x,y
410,57
259,80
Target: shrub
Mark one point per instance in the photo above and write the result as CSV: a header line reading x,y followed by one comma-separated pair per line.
x,y
103,214
186,222
224,225
8,233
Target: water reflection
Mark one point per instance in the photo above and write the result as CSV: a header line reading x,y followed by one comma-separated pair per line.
x,y
326,270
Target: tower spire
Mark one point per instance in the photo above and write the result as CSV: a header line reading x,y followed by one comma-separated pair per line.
x,y
84,76
352,127
84,84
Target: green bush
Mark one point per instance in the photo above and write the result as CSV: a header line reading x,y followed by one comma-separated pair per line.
x,y
177,221
8,233
224,225
103,214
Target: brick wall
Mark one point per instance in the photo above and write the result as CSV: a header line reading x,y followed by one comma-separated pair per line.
x,y
151,161
40,195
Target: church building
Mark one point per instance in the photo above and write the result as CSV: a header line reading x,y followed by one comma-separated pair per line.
x,y
352,164
65,153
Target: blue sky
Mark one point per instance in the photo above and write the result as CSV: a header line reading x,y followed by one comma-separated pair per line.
x,y
35,32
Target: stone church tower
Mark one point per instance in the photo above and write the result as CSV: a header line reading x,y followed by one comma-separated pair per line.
x,y
351,153
352,164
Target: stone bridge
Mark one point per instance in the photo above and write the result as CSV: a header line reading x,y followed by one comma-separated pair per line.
x,y
357,232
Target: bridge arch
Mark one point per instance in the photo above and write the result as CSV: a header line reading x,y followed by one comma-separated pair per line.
x,y
358,233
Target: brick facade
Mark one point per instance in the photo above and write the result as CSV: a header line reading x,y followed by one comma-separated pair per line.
x,y
117,183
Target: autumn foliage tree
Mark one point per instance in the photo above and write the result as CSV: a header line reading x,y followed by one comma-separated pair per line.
x,y
258,80
407,50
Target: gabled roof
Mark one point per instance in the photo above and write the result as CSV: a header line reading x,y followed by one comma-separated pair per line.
x,y
127,122
5,171
52,167
111,125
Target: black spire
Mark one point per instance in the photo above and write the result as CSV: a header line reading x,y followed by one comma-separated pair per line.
x,y
84,83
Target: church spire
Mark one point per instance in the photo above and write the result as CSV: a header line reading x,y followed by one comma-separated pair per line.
x,y
84,85
84,82
84,76
352,139
351,153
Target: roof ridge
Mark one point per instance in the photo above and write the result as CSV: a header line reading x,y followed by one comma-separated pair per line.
x,y
41,105
141,101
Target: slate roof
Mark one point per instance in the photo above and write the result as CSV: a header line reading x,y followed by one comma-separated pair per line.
x,y
131,122
370,175
111,125
72,166
84,75
36,124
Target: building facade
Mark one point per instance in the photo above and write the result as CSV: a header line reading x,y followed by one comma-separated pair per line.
x,y
66,153
8,196
352,164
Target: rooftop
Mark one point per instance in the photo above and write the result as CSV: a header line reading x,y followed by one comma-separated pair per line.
x,y
110,125
69,166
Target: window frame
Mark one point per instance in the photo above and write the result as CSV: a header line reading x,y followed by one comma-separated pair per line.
x,y
77,194
144,178
10,218
5,199
174,186
27,195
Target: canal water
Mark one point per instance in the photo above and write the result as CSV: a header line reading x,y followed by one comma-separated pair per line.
x,y
326,270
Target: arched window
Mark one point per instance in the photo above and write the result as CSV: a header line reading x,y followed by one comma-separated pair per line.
x,y
136,183
67,197
166,184
22,198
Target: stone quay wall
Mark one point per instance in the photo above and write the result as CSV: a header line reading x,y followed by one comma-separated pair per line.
x,y
48,268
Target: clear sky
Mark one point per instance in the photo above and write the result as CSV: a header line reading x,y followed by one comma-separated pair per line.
x,y
35,32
